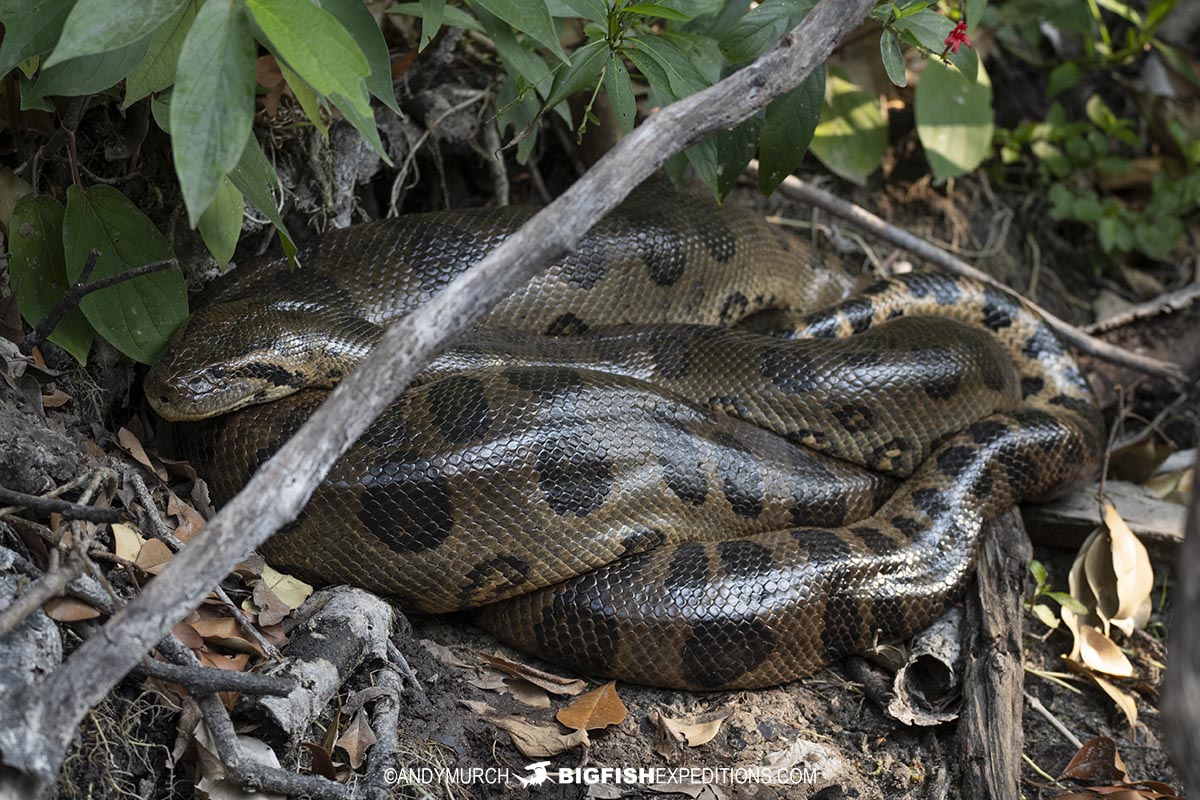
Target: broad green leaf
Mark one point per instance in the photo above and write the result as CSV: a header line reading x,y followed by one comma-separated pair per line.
x,y
754,33
517,113
974,13
221,224
157,69
583,72
363,119
788,129
255,177
97,26
360,24
83,75
257,180
518,60
31,27
531,17
655,10
452,15
432,14
1038,570
1046,615
893,59
703,158
1069,602
620,92
305,96
316,47
137,316
852,136
954,119
735,148
39,271
682,75
967,62
595,10
703,53
927,28
212,107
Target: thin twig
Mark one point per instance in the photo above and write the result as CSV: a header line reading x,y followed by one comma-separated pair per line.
x,y
401,663
797,189
386,724
163,532
52,505
1167,303
207,680
48,587
81,289
1037,706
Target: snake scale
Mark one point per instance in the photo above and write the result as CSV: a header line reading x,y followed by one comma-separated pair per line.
x,y
622,469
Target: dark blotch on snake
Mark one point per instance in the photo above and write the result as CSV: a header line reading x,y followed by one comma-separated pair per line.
x,y
718,239
932,502
733,308
406,503
680,460
664,253
588,265
720,650
545,382
859,313
576,474
943,289
999,308
789,369
486,578
956,460
742,480
854,418
822,544
1031,386
567,324
744,558
1043,342
689,567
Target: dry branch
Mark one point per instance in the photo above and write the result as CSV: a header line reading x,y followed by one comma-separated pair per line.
x,y
279,490
797,189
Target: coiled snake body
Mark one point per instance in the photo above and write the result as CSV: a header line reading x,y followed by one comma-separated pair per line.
x,y
666,496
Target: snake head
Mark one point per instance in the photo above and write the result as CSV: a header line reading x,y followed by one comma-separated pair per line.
x,y
244,352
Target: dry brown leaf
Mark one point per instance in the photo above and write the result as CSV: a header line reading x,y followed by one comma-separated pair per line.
x,y
555,684
226,632
1100,653
534,741
599,708
322,763
289,589
56,399
675,734
1133,572
231,663
127,542
357,739
1124,701
68,609
127,441
153,556
443,653
527,693
190,521
189,636
1096,762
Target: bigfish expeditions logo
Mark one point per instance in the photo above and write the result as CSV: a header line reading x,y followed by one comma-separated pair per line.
x,y
539,776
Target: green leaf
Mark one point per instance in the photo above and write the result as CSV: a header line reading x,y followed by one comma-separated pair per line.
x,y
927,28
703,158
358,21
655,10
1046,615
682,75
39,271
754,33
1068,602
735,148
451,15
518,60
583,71
157,69
212,107
518,113
531,17
1159,238
84,75
1115,236
619,88
31,27
1062,77
315,46
1038,570
137,316
221,224
893,59
954,119
595,10
305,96
973,13
432,14
363,119
255,177
788,130
97,26
852,136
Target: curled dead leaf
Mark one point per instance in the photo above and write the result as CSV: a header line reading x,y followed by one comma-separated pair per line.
x,y
1097,761
127,542
68,609
555,684
676,734
534,741
153,556
357,739
1100,653
599,708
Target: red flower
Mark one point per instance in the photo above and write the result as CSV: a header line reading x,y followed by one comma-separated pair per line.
x,y
958,37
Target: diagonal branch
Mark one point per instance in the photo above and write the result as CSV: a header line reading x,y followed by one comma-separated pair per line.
x,y
279,490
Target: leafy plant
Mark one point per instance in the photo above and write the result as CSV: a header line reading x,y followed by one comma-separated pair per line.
x,y
1042,591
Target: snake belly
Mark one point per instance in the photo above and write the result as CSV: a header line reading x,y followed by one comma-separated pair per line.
x,y
668,501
